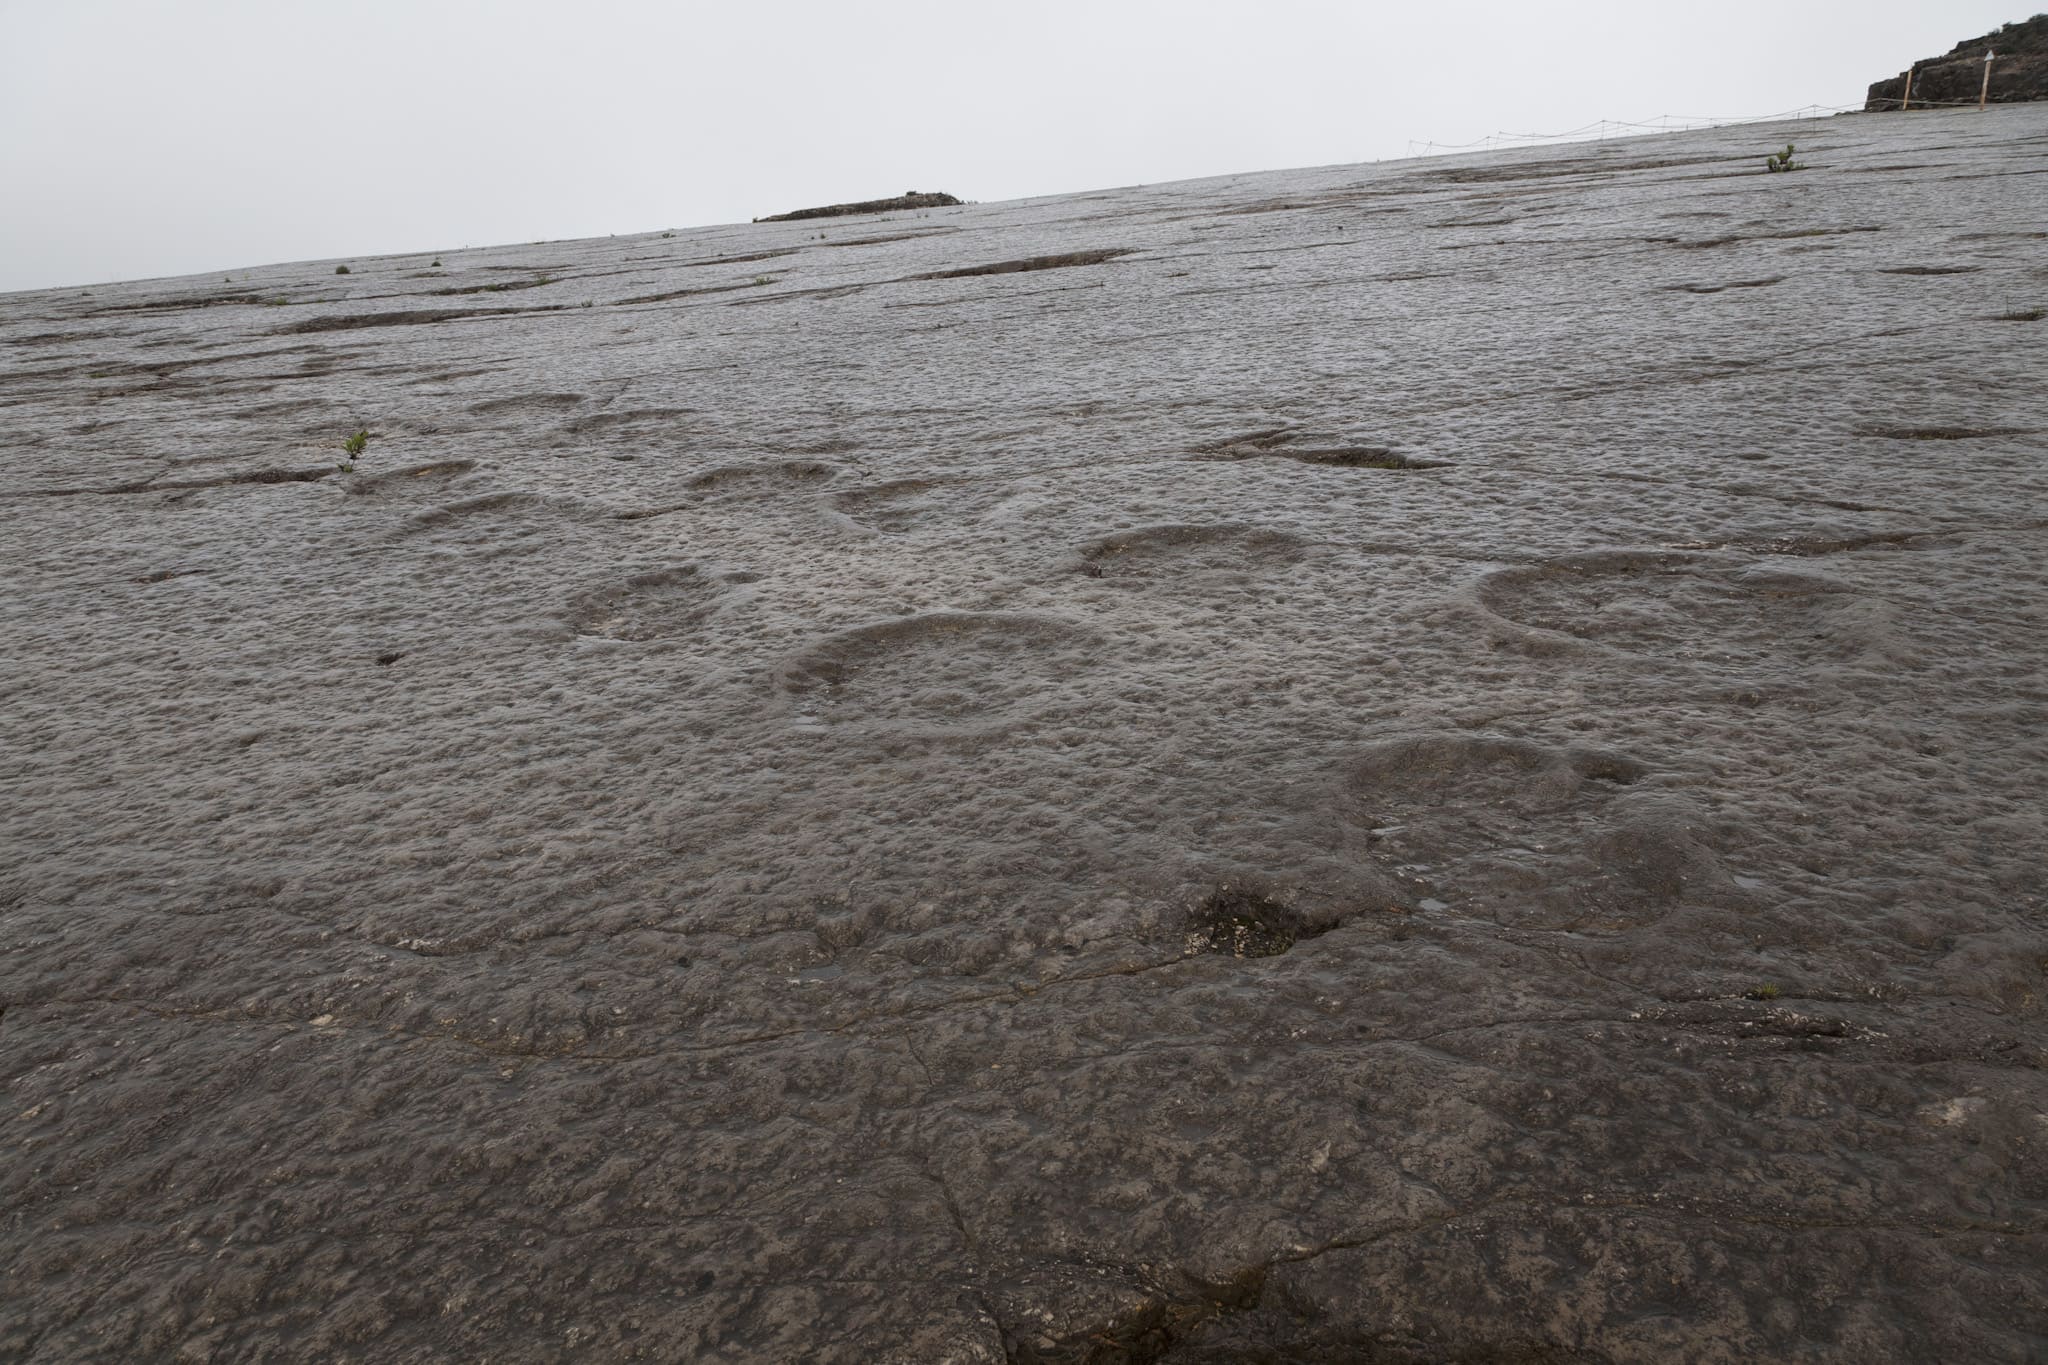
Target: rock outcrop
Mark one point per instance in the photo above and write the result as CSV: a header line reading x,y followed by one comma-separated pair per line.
x,y
909,199
2019,72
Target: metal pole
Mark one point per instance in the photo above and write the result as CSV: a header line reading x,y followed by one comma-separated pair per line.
x,y
1907,102
1985,93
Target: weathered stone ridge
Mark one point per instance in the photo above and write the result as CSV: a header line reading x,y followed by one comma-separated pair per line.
x,y
2019,73
909,199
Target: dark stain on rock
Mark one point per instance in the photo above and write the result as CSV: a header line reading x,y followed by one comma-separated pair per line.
x,y
1943,433
349,322
1717,288
1243,923
1059,262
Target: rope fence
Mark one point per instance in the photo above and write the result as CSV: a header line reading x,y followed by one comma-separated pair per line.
x,y
1663,123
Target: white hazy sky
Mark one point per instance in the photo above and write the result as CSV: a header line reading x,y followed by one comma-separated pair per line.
x,y
159,137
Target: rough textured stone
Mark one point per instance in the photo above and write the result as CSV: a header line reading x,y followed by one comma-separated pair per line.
x,y
2019,73
1440,761
909,199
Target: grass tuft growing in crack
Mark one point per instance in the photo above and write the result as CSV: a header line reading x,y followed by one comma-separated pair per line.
x,y
353,447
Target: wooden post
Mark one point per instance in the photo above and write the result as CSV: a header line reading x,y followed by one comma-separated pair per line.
x,y
1907,102
1985,93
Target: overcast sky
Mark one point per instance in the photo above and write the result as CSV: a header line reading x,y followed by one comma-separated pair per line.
x,y
159,137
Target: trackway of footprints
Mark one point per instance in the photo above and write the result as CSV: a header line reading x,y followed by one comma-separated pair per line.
x,y
1177,553
649,606
1714,610
1239,769
940,672
1567,838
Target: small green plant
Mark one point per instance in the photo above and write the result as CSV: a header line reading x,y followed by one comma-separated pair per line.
x,y
341,270
353,447
1766,991
1781,161
764,279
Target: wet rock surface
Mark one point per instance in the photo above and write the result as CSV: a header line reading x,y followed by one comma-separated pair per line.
x,y
1408,764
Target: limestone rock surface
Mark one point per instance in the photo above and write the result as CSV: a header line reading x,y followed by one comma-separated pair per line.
x,y
1434,761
